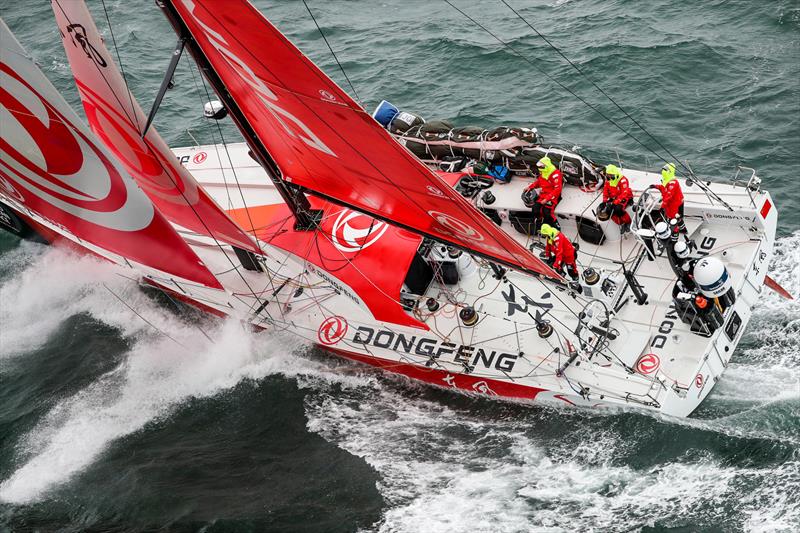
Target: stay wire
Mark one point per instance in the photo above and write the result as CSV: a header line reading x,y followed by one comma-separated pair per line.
x,y
144,319
358,99
604,93
551,78
189,204
121,66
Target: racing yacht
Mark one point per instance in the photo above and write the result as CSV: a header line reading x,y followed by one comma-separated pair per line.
x,y
331,224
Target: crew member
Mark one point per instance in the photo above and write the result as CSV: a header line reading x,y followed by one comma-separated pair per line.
x,y
671,194
559,251
550,181
617,196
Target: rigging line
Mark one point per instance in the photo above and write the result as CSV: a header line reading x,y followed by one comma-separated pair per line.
x,y
358,99
230,161
121,66
551,78
144,319
213,138
554,47
424,172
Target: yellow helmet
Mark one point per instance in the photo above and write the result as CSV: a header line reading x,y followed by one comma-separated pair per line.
x,y
614,174
667,173
548,231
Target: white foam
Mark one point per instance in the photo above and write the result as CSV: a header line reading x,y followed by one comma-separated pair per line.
x,y
44,286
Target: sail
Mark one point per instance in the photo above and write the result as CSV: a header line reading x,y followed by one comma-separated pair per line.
x,y
321,139
53,165
116,118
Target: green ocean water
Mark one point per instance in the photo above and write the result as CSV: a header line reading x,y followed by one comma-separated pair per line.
x,y
106,425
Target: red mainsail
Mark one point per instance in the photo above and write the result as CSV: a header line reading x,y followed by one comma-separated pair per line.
x,y
116,118
322,140
53,165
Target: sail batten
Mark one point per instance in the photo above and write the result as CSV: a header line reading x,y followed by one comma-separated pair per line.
x,y
117,119
323,142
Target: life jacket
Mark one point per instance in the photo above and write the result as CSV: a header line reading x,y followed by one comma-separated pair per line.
x,y
551,183
562,248
671,197
620,193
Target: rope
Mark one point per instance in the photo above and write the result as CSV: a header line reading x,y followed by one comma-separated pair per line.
x,y
144,319
121,66
554,47
551,78
333,54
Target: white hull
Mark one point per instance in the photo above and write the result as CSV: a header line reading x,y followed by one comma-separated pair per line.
x,y
503,354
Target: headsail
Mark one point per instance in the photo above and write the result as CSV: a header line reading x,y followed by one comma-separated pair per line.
x,y
52,164
322,140
116,118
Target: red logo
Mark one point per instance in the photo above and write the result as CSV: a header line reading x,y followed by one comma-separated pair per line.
x,y
698,380
648,363
332,330
199,158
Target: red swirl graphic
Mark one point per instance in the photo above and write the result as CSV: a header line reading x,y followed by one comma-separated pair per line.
x,y
58,142
648,363
332,330
139,158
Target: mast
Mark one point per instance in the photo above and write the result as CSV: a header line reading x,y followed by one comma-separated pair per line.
x,y
305,217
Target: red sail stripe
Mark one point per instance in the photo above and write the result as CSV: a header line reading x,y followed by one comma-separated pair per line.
x,y
116,118
53,165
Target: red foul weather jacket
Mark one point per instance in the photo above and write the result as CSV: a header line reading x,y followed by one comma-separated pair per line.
x,y
551,187
562,249
672,198
620,194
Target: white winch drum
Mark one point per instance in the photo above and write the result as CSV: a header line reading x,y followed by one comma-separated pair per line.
x,y
662,230
681,250
712,277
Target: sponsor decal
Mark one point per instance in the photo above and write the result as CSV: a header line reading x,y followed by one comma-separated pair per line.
x,y
327,96
199,158
647,364
56,153
483,388
765,208
665,328
77,34
513,306
353,231
435,349
698,381
435,191
332,330
456,227
338,287
450,380
292,125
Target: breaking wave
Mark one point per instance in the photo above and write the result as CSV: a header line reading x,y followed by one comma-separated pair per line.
x,y
450,465
155,375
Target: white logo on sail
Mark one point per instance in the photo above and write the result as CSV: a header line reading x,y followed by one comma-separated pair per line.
x,y
288,121
353,231
456,227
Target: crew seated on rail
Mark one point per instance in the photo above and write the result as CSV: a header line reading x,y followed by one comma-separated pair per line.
x,y
617,196
551,183
671,194
559,251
